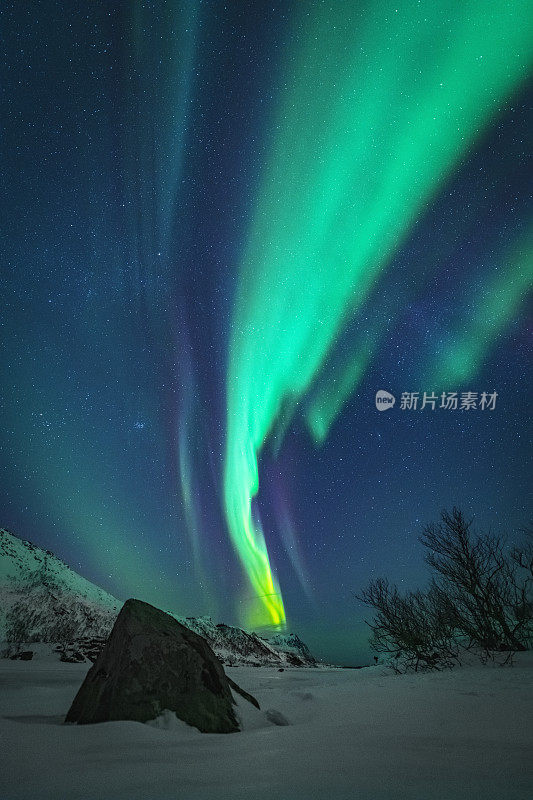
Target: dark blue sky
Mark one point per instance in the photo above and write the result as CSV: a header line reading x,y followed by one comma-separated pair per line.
x,y
132,146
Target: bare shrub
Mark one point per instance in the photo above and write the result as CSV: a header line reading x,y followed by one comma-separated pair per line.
x,y
480,598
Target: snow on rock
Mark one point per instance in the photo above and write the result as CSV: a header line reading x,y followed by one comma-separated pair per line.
x,y
168,721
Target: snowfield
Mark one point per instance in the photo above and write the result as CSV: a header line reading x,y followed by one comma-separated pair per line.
x,y
352,735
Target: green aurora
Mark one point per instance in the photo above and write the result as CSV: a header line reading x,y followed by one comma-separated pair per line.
x,y
492,311
379,106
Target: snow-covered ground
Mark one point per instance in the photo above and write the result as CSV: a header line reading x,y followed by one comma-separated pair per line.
x,y
353,734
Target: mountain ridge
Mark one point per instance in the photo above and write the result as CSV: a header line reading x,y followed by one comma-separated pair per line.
x,y
42,599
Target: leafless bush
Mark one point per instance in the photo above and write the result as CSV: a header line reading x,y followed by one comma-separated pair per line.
x,y
480,598
410,628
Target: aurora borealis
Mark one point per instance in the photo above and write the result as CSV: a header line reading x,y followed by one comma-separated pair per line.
x,y
342,187
226,227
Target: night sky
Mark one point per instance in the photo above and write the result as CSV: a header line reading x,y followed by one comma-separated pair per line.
x,y
225,227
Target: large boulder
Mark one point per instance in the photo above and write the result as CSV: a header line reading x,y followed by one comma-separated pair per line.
x,y
151,663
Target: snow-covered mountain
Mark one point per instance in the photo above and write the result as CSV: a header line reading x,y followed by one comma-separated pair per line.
x,y
43,600
234,646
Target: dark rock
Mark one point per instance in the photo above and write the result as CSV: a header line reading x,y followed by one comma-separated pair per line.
x,y
72,656
151,663
247,696
281,669
294,661
90,646
24,655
